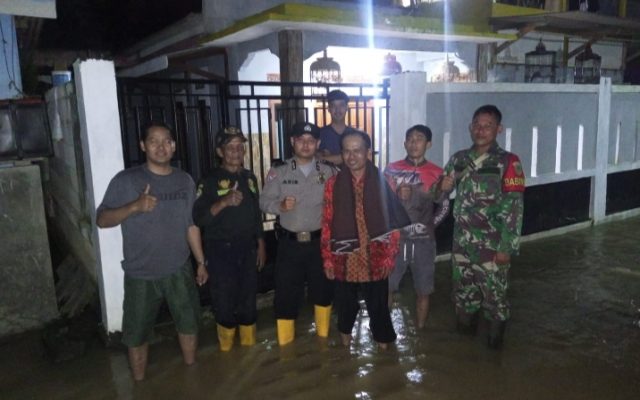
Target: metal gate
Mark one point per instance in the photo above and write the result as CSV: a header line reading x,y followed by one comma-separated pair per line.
x,y
196,109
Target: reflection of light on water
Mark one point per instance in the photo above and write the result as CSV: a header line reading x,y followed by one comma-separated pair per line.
x,y
415,375
364,370
363,396
400,326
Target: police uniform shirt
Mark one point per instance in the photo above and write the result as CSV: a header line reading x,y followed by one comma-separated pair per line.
x,y
289,180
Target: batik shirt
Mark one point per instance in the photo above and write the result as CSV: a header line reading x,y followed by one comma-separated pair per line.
x,y
380,255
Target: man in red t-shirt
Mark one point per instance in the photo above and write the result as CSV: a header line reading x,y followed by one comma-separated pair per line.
x,y
411,178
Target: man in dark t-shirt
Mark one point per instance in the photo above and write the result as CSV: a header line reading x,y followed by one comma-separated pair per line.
x,y
331,135
152,203
227,210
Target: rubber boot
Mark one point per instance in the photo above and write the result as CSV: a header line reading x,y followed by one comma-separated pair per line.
x,y
323,320
286,331
496,334
467,324
225,337
247,335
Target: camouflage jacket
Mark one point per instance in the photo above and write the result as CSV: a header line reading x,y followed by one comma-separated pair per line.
x,y
489,199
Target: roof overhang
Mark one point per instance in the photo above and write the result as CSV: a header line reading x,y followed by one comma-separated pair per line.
x,y
347,21
29,8
573,23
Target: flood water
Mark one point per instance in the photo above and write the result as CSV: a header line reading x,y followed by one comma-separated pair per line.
x,y
574,334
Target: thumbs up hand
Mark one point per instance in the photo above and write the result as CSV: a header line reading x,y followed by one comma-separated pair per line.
x,y
234,197
146,202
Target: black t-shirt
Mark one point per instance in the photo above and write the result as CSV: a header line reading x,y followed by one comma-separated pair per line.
x,y
240,222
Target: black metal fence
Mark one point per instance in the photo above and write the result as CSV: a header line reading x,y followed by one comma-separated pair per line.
x,y
196,109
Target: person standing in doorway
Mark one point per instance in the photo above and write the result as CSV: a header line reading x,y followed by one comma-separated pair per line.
x,y
227,210
360,233
330,135
294,192
411,179
489,184
152,203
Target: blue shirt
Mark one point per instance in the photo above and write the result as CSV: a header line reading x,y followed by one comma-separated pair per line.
x,y
330,139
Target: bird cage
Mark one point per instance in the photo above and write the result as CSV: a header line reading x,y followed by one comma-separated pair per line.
x,y
391,66
540,65
587,68
325,71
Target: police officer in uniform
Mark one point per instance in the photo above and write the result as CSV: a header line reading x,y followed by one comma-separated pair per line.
x,y
294,191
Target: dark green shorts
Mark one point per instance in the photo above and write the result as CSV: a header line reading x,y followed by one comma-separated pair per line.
x,y
143,298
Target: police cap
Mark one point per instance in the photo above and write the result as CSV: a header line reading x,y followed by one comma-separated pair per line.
x,y
302,128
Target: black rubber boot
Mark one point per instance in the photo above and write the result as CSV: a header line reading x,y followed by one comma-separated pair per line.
x,y
467,324
496,334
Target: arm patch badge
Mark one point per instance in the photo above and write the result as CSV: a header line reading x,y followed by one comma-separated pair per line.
x,y
513,178
273,174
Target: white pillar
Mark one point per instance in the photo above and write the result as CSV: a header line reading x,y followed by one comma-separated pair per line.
x,y
102,148
598,205
408,107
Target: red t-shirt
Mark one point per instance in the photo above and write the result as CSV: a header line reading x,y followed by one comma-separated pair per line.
x,y
404,171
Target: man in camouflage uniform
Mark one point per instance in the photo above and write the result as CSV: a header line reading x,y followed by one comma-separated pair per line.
x,y
489,185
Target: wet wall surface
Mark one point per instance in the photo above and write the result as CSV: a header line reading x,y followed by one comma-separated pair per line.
x,y
574,334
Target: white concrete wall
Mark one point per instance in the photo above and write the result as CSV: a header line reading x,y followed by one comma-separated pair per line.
x,y
407,108
561,132
102,149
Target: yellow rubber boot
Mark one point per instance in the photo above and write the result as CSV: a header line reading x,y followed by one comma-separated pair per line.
x,y
323,319
225,337
286,331
247,335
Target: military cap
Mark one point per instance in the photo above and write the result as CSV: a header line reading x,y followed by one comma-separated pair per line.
x,y
225,135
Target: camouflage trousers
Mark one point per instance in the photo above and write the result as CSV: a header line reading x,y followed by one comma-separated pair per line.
x,y
479,283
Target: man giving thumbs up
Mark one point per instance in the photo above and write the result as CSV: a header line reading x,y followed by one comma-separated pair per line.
x,y
153,204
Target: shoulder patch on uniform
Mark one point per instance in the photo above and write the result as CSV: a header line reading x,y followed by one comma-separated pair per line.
x,y
513,178
252,185
334,168
199,190
273,174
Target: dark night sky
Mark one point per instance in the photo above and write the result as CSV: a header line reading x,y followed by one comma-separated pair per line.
x,y
110,24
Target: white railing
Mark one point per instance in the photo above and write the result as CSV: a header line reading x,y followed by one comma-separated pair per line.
x,y
561,132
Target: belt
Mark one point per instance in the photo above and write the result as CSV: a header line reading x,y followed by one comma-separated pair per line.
x,y
301,237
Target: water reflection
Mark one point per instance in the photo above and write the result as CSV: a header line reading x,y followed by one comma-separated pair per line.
x,y
415,375
575,334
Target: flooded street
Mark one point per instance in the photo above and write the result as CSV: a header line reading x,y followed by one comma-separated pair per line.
x,y
574,334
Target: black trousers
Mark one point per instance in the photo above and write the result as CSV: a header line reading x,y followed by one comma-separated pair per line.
x,y
375,296
297,263
233,280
